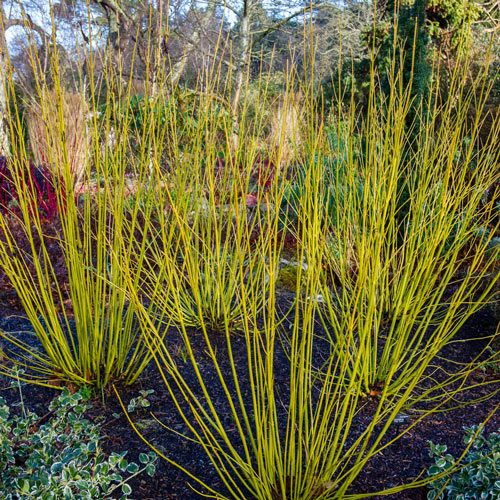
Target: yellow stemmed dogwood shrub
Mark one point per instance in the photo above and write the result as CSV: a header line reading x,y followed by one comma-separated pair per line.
x,y
420,258
84,324
362,345
389,267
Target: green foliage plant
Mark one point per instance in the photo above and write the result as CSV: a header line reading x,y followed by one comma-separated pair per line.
x,y
59,457
476,477
171,117
140,401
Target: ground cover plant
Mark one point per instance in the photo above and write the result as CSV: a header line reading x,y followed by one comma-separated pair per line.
x,y
164,250
478,475
59,456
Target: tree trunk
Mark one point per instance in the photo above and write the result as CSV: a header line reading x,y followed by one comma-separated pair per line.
x,y
244,60
193,41
4,79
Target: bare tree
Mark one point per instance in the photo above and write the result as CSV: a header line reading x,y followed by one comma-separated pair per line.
x,y
250,34
13,13
338,32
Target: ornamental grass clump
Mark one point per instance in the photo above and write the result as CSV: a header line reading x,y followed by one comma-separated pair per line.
x,y
69,279
74,113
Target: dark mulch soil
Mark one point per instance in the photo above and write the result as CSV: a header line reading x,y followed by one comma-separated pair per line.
x,y
399,463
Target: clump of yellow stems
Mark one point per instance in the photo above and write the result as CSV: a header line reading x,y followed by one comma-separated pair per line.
x,y
94,338
190,250
308,441
204,260
208,256
415,212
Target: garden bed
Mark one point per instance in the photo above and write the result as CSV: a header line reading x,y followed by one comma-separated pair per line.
x,y
402,461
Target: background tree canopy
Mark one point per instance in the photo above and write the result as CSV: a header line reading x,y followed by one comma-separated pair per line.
x,y
249,37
